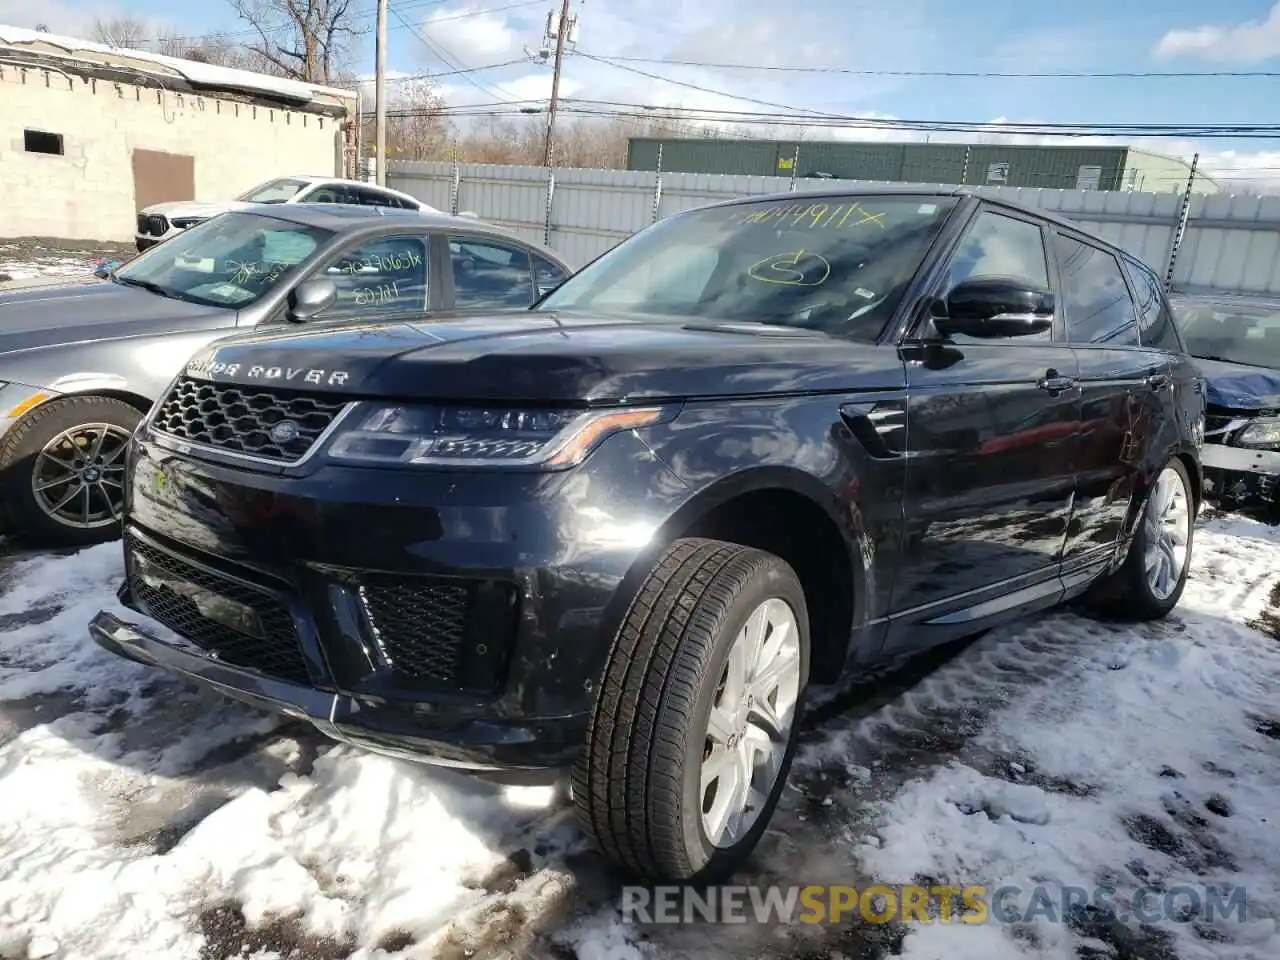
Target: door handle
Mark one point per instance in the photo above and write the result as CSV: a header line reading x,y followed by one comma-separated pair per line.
x,y
1056,383
1158,381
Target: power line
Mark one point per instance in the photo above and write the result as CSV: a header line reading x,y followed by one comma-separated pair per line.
x,y
944,74
445,57
456,73
622,110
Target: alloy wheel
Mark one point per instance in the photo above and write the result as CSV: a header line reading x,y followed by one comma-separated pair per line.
x,y
78,478
1168,531
749,725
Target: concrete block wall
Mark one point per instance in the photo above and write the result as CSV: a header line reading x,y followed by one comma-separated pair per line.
x,y
88,192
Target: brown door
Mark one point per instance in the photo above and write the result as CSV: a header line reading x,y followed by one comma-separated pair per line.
x,y
158,177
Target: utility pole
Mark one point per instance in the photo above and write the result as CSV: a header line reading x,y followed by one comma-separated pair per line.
x,y
562,33
380,96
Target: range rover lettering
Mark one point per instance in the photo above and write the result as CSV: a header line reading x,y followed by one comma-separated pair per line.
x,y
753,449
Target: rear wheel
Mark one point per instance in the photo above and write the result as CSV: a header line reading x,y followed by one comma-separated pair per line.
x,y
694,728
1150,581
62,470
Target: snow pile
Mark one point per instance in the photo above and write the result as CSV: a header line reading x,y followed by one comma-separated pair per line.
x,y
136,821
1155,766
201,74
20,262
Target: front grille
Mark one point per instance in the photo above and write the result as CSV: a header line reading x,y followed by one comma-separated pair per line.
x,y
277,654
143,225
241,419
421,627
157,225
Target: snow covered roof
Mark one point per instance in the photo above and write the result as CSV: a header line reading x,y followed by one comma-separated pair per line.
x,y
197,74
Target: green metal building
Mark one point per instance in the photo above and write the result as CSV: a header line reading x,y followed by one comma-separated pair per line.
x,y
1064,167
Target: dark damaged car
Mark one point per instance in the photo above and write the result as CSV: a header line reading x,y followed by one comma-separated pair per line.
x,y
755,448
1236,343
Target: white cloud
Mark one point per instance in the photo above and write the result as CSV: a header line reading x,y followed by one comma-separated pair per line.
x,y
473,38
1246,42
71,19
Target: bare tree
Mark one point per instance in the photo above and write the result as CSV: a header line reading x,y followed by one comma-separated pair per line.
x,y
121,32
417,128
308,40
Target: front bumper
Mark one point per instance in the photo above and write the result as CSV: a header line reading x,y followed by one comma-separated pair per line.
x,y
525,753
462,618
145,243
1241,473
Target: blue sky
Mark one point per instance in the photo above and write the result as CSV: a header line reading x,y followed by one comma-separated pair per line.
x,y
903,35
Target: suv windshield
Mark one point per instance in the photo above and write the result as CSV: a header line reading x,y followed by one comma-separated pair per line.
x,y
273,191
837,265
229,261
1213,331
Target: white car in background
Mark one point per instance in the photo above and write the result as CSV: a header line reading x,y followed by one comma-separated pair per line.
x,y
163,220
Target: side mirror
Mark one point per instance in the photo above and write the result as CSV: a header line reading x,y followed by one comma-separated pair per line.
x,y
106,268
993,307
311,297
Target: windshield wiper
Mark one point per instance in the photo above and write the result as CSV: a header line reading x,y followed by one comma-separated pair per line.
x,y
149,285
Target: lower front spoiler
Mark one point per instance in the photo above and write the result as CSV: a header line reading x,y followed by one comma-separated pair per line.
x,y
536,753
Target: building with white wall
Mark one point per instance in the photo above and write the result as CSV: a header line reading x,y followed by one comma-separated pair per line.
x,y
89,134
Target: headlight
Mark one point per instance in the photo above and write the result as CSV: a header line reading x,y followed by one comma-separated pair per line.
x,y
1260,433
458,436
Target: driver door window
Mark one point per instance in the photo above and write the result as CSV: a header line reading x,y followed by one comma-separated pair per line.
x,y
379,277
1005,247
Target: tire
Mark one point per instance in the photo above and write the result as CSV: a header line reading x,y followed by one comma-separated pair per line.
x,y
638,785
1129,593
22,468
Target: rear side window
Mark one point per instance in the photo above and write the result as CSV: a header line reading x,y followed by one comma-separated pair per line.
x,y
546,275
1155,320
488,274
1098,305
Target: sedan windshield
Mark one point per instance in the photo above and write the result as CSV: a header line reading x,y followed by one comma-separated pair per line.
x,y
838,265
273,191
1246,334
229,261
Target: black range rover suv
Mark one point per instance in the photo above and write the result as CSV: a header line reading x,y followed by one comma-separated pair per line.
x,y
754,447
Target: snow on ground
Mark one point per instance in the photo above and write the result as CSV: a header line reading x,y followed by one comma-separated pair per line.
x,y
27,260
140,817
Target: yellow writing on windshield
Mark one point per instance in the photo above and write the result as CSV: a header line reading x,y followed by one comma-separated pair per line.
x,y
816,216
796,269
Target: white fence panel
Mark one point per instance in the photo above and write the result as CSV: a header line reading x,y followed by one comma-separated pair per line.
x,y
1231,243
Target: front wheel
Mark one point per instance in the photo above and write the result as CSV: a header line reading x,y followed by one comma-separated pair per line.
x,y
694,727
1150,581
62,470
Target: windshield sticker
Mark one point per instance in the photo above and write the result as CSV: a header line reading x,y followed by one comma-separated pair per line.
x,y
797,269
816,216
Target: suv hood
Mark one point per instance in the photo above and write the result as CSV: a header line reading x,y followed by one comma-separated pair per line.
x,y
96,310
1239,386
193,208
542,357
